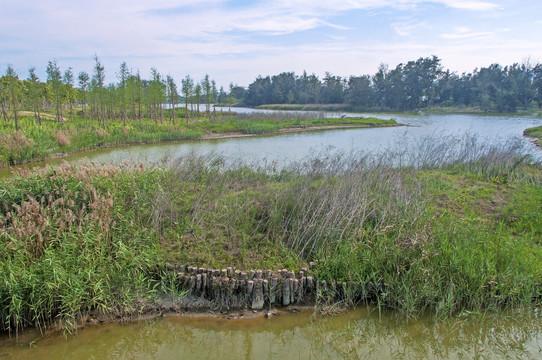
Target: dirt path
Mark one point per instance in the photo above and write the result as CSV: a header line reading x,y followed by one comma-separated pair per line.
x,y
42,115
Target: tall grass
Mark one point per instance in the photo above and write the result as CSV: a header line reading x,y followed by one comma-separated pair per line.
x,y
456,228
443,234
71,244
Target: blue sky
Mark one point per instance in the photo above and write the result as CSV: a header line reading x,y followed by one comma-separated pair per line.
x,y
235,41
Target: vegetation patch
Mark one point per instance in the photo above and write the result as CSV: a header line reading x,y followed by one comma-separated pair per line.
x,y
37,141
462,235
536,133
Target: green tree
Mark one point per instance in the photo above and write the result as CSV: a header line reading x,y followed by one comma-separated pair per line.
x,y
122,76
207,93
197,97
35,93
14,93
97,86
214,95
187,88
134,89
156,94
54,79
70,92
83,82
173,96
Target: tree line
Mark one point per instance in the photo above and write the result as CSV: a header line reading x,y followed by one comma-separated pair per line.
x,y
130,98
417,84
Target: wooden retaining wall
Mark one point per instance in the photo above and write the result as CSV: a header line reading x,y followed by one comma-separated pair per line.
x,y
254,289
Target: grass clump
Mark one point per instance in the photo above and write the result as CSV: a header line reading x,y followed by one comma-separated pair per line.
x,y
70,243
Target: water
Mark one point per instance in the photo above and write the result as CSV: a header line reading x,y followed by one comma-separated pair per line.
x,y
362,333
283,149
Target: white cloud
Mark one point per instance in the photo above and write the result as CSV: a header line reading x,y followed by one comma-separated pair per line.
x,y
237,44
464,32
406,28
467,35
470,5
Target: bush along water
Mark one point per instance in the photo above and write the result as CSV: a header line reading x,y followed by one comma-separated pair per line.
x,y
456,230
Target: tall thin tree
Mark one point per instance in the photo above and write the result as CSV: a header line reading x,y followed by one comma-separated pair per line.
x,y
54,79
83,82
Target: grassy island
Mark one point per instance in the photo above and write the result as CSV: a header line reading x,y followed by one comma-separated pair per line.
x,y
536,133
51,138
452,232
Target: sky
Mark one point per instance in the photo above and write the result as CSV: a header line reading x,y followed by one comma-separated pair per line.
x,y
236,41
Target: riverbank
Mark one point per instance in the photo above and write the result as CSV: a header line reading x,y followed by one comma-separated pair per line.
x,y
57,139
536,134
358,109
456,231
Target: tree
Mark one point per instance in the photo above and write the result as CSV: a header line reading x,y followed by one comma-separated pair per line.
x,y
156,93
231,96
308,89
83,82
332,89
188,89
14,93
359,91
197,96
134,89
173,96
222,98
54,79
98,90
214,95
537,83
259,92
36,93
70,92
122,75
207,92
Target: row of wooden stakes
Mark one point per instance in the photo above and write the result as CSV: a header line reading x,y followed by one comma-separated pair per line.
x,y
255,288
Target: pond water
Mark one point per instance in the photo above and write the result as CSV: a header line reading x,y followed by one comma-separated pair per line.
x,y
286,148
361,333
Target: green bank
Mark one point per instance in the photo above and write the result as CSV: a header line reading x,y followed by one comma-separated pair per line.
x,y
459,236
35,141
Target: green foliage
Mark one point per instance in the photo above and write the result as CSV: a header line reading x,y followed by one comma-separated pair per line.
x,y
443,238
71,243
40,140
417,84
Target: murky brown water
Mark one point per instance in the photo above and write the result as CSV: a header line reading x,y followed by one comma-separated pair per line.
x,y
355,334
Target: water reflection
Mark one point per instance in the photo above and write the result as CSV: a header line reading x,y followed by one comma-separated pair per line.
x,y
357,334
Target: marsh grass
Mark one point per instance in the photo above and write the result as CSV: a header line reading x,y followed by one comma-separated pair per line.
x,y
456,228
70,244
